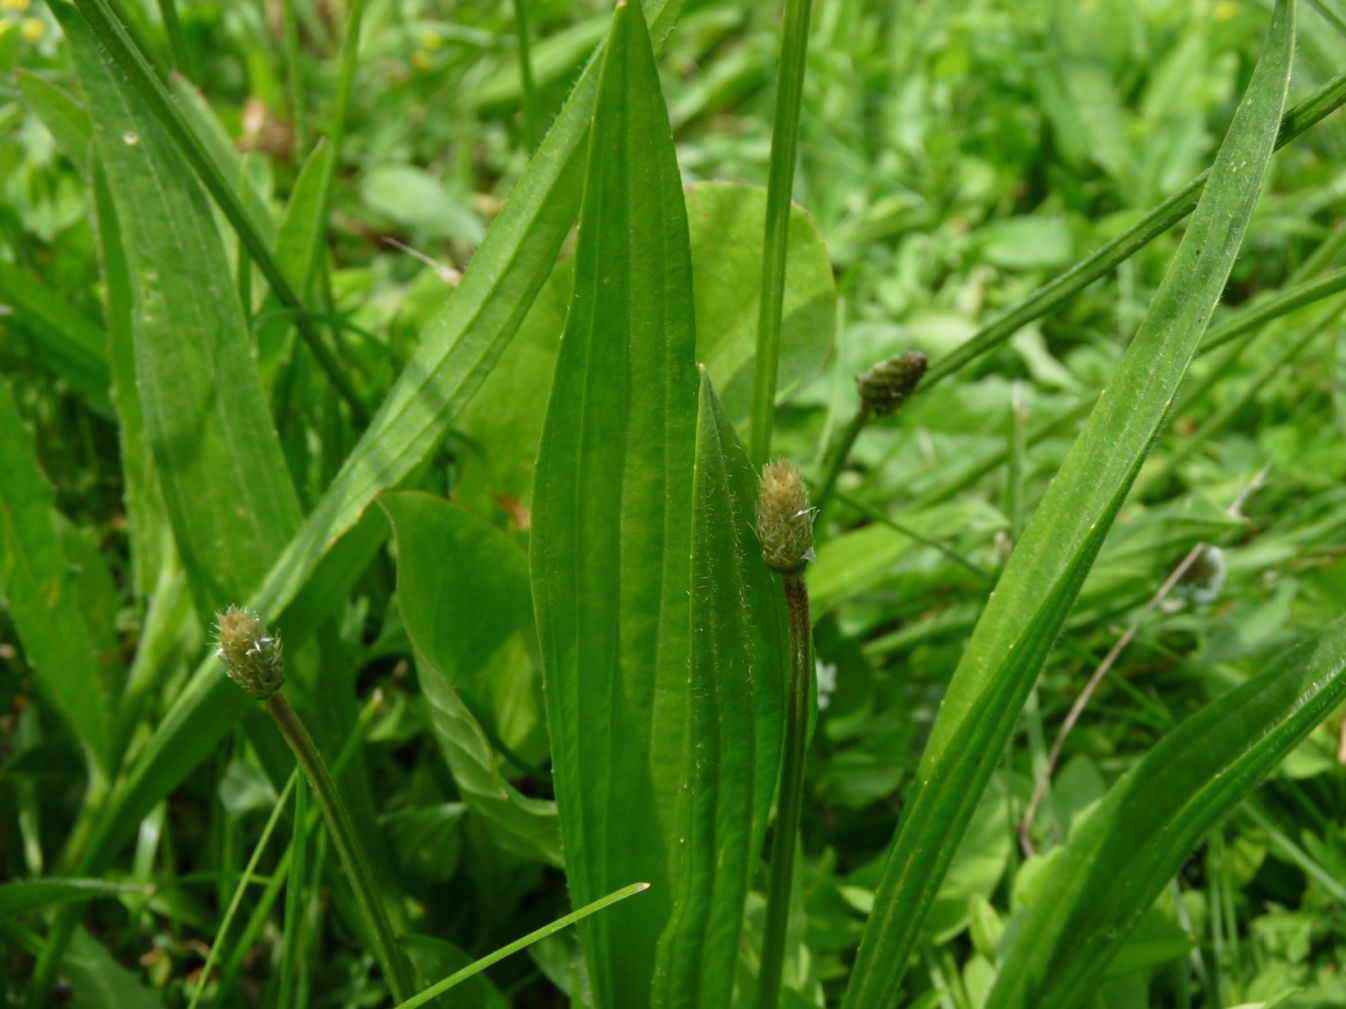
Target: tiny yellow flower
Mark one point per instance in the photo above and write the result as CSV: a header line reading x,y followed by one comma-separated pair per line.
x,y
5,26
431,41
421,60
15,5
32,30
1225,9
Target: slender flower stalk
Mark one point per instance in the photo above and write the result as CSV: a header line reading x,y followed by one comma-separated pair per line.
x,y
883,389
785,529
253,659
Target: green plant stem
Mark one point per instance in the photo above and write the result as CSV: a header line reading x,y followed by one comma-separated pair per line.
x,y
113,35
836,460
242,885
790,802
477,966
294,79
294,897
531,114
177,42
347,842
780,184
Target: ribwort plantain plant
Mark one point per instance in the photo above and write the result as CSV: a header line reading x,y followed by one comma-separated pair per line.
x,y
570,669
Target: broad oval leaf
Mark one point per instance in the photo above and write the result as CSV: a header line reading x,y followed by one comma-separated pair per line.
x,y
463,590
1123,852
1043,577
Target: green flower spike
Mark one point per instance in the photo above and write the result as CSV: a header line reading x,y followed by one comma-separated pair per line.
x,y
251,656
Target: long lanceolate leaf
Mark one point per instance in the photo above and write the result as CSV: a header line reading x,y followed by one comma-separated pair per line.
x,y
1121,856
1043,577
611,528
659,674
734,691
219,463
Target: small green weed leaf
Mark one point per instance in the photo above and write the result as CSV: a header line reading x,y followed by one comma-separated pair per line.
x,y
727,221
1043,576
612,527
60,113
40,590
734,681
68,343
414,199
217,456
23,895
98,981
463,590
1121,854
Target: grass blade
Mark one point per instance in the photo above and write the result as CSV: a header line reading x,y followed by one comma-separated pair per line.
x,y
476,967
23,895
1033,597
38,588
1117,861
780,184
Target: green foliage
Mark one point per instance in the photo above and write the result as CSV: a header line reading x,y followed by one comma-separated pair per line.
x,y
263,267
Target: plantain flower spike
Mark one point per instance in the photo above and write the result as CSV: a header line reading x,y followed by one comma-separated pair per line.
x,y
784,517
884,387
251,656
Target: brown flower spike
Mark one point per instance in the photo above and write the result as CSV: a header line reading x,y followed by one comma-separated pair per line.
x,y
784,517
251,656
886,386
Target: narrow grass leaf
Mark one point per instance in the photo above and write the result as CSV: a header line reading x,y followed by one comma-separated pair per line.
x,y
23,895
216,454
519,945
1119,858
734,680
612,527
69,344
39,590
60,113
1043,576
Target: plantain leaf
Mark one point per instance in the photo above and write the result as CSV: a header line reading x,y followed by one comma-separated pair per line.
x,y
734,682
1043,577
460,616
216,453
611,523
662,678
38,588
1096,889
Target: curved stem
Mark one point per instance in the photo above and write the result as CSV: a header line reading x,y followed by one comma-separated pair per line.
x,y
347,845
837,460
790,803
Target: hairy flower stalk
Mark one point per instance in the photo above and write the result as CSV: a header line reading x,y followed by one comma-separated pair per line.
x,y
883,389
253,659
785,529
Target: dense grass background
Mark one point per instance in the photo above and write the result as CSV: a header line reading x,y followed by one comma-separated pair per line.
x,y
953,157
